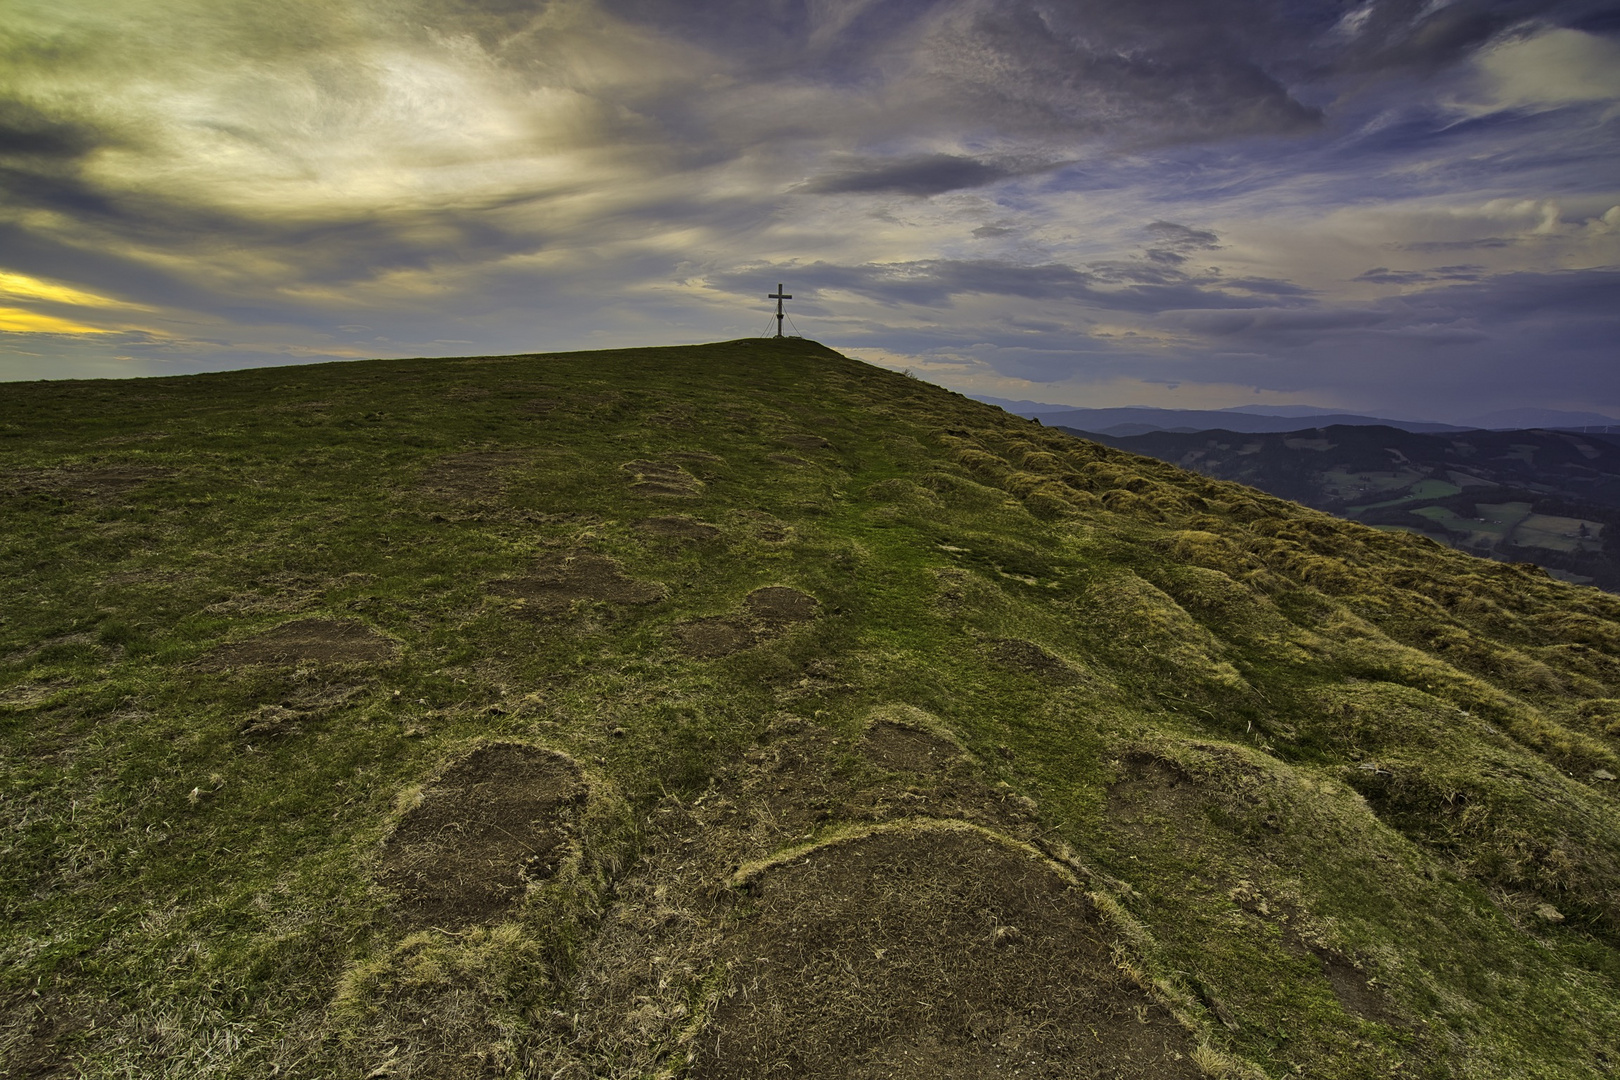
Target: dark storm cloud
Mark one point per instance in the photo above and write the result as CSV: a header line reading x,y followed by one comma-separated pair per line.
x,y
41,159
28,132
930,174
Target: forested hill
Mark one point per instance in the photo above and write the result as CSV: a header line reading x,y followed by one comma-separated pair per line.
x,y
1547,497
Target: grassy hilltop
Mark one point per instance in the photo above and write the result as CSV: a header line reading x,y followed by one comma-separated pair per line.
x,y
742,710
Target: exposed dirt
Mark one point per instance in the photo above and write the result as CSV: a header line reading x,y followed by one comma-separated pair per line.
x,y
33,1031
662,479
675,919
1015,654
777,606
908,749
308,641
928,952
556,584
709,638
472,475
499,818
82,481
1352,987
766,613
680,528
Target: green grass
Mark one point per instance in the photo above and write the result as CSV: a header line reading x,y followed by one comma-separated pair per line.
x,y
1421,491
1387,752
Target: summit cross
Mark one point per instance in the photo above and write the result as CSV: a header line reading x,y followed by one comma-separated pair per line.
x,y
779,296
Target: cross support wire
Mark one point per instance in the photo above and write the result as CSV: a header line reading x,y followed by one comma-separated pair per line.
x,y
779,295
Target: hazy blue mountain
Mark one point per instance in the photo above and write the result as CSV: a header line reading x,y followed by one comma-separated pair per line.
x,y
1514,419
1140,420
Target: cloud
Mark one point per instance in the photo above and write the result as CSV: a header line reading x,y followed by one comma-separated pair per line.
x,y
940,176
1173,71
1181,238
1554,67
1383,275
930,174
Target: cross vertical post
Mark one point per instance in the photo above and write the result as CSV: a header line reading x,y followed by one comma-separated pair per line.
x,y
779,295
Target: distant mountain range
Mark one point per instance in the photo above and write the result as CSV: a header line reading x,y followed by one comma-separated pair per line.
x,y
1547,497
1139,420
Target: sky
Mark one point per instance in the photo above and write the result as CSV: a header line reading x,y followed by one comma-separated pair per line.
x,y
1408,208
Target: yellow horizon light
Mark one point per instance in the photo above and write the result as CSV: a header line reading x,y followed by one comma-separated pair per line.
x,y
22,321
23,287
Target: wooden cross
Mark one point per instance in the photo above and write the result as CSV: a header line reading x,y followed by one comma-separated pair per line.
x,y
779,296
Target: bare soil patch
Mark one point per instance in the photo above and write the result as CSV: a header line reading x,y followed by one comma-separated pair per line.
x,y
707,639
493,822
84,481
1351,986
662,479
679,528
766,613
472,475
554,586
907,749
35,1029
929,952
777,606
308,641
1016,654
674,920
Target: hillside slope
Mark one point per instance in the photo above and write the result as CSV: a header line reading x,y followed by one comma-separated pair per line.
x,y
1548,497
742,709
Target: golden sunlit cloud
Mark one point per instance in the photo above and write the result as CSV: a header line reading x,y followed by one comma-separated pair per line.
x,y
22,321
23,287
